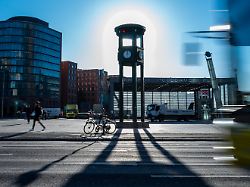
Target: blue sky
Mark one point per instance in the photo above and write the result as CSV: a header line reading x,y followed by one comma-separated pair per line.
x,y
89,38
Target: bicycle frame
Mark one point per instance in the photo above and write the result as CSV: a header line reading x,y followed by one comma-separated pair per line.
x,y
100,122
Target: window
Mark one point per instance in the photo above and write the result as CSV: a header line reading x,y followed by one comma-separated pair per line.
x,y
138,42
126,42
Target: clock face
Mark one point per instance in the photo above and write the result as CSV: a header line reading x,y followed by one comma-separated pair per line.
x,y
127,54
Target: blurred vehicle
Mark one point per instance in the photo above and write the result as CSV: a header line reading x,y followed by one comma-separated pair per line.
x,y
83,115
226,111
162,112
52,112
240,135
71,111
235,119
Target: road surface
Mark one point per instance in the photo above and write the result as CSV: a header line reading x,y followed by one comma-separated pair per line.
x,y
120,163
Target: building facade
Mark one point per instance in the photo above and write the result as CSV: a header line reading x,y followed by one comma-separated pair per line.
x,y
92,88
30,56
68,83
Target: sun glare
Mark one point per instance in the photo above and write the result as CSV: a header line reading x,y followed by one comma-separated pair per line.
x,y
110,40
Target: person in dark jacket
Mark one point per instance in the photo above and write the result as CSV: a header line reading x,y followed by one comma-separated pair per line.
x,y
28,113
38,113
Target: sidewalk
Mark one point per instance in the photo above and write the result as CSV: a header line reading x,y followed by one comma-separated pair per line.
x,y
71,130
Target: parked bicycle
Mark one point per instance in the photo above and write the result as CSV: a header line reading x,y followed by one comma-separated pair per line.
x,y
99,122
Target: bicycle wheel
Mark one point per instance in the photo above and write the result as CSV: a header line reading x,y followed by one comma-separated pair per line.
x,y
110,127
88,127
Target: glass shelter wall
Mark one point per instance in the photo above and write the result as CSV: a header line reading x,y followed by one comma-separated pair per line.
x,y
175,100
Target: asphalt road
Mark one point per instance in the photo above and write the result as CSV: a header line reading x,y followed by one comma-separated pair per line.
x,y
120,163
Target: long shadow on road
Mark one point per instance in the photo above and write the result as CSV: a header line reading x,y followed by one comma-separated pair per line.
x,y
12,125
178,168
102,173
12,135
95,173
143,153
29,177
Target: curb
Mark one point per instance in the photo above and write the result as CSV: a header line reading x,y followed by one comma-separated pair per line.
x,y
100,138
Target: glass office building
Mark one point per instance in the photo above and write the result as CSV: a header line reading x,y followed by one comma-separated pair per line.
x,y
30,56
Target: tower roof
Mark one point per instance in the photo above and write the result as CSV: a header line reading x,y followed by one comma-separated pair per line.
x,y
130,28
29,19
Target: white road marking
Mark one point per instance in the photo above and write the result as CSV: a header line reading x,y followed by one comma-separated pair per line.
x,y
223,147
6,154
120,150
224,158
111,163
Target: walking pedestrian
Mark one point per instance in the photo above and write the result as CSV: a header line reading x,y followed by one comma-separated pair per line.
x,y
38,113
28,113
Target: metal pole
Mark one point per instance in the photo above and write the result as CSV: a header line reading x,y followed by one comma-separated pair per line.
x,y
134,93
142,95
3,93
121,93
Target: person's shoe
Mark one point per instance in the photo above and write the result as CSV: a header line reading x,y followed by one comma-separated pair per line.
x,y
32,129
43,129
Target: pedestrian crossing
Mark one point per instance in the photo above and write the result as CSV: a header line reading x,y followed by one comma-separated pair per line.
x,y
145,151
207,162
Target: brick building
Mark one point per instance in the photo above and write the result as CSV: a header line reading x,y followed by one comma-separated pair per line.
x,y
68,83
92,88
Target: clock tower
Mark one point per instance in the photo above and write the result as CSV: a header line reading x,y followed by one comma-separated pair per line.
x,y
131,53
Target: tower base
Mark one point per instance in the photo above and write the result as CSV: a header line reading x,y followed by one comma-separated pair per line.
x,y
131,124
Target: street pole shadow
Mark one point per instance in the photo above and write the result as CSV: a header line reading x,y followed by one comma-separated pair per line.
x,y
12,135
178,168
11,125
29,177
140,173
94,174
143,153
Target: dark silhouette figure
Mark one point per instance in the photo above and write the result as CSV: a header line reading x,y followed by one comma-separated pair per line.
x,y
28,113
191,106
38,113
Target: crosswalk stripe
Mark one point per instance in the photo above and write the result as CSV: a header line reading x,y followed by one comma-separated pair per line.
x,y
223,147
6,154
225,158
